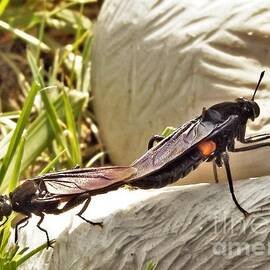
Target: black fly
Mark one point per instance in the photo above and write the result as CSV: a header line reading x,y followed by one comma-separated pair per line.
x,y
208,137
46,194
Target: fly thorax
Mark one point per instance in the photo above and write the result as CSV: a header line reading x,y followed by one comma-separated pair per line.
x,y
213,116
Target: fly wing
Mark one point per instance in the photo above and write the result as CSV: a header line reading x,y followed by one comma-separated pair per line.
x,y
177,144
87,179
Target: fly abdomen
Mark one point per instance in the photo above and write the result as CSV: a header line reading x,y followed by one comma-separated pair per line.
x,y
172,172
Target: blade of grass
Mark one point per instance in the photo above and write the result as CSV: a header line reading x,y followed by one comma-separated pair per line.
x,y
22,259
11,115
71,126
55,67
34,68
7,123
12,252
150,266
84,78
168,131
40,128
3,5
49,107
54,123
52,163
41,34
83,1
5,234
98,156
74,19
21,124
24,36
17,166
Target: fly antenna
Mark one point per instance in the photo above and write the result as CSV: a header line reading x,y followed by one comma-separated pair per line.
x,y
258,84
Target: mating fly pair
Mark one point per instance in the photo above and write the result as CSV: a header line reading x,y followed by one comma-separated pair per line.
x,y
208,137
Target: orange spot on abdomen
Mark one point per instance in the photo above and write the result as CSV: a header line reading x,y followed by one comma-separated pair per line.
x,y
207,147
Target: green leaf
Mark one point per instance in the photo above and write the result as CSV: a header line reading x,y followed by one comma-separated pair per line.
x,y
98,156
83,1
24,36
72,131
150,266
75,19
3,5
84,79
30,254
21,124
168,131
53,118
52,163
34,68
17,166
40,128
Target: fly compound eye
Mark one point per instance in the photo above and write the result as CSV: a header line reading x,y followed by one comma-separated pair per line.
x,y
255,109
246,108
5,206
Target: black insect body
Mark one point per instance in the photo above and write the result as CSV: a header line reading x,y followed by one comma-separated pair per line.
x,y
46,194
206,138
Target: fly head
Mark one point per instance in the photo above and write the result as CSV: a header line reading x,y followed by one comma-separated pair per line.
x,y
249,108
5,207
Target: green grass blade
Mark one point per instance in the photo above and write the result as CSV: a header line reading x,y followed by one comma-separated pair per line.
x,y
84,79
74,19
98,156
21,124
168,131
5,239
34,68
150,266
55,67
30,254
49,107
12,252
72,131
54,123
5,234
83,1
24,36
17,166
3,5
41,129
51,165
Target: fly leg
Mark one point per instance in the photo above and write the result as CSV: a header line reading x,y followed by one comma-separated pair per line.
x,y
225,159
4,222
250,140
82,211
232,148
25,219
41,215
253,138
153,139
215,170
216,163
75,201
